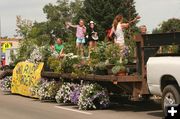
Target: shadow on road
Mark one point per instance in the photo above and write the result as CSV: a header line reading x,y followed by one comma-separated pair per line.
x,y
152,108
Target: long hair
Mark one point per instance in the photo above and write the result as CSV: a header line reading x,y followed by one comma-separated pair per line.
x,y
117,19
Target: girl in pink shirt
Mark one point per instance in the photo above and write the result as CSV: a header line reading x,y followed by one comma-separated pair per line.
x,y
80,35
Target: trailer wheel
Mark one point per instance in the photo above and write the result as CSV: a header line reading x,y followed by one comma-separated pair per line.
x,y
170,95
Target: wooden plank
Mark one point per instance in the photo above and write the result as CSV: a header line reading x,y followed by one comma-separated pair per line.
x,y
110,78
133,78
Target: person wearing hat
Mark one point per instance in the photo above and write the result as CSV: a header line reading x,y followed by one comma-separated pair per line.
x,y
92,36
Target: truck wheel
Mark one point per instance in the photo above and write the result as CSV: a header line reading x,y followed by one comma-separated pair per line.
x,y
170,95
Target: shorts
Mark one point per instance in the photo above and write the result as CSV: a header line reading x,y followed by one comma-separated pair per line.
x,y
80,40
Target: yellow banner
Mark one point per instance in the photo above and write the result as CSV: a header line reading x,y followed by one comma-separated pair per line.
x,y
25,75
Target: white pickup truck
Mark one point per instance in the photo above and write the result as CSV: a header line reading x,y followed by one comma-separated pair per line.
x,y
163,77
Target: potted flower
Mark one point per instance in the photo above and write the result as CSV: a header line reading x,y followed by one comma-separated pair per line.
x,y
119,70
93,96
101,69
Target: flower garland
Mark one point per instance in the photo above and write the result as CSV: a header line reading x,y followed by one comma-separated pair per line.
x,y
5,84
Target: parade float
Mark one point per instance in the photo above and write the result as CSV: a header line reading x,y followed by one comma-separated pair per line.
x,y
86,82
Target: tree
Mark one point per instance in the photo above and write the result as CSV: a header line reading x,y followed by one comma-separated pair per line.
x,y
57,15
24,26
104,11
170,25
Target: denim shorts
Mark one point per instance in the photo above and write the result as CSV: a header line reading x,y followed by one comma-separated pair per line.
x,y
80,40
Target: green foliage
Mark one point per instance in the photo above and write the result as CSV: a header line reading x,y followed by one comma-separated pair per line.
x,y
112,53
170,25
54,64
118,68
24,26
58,14
104,11
70,46
68,63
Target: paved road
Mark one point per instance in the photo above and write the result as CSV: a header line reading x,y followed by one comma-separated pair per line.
x,y
19,107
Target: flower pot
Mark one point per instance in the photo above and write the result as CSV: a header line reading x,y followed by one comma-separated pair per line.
x,y
101,72
109,68
121,73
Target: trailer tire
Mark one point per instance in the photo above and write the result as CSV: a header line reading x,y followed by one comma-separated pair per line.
x,y
170,95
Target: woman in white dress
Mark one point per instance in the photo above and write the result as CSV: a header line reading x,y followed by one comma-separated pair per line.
x,y
118,27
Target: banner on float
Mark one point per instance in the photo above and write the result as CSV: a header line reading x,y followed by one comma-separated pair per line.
x,y
25,75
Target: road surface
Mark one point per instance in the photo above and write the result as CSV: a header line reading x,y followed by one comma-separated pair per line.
x,y
19,107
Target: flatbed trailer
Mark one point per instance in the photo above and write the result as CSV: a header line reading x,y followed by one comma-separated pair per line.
x,y
135,84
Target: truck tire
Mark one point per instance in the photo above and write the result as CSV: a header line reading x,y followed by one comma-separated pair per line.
x,y
170,95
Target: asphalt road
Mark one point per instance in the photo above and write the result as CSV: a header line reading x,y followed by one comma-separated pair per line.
x,y
19,107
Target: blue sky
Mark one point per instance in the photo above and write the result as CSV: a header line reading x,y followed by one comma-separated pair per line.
x,y
152,12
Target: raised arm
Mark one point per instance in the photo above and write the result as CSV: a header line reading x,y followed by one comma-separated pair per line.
x,y
126,25
112,31
71,25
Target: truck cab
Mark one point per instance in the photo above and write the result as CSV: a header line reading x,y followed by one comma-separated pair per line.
x,y
161,70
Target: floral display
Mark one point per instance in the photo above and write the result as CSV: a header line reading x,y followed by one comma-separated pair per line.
x,y
75,93
34,88
93,96
5,84
48,90
63,94
68,62
36,55
68,93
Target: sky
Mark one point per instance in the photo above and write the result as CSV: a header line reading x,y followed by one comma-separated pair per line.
x,y
152,12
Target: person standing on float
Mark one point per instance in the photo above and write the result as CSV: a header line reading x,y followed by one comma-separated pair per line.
x,y
118,27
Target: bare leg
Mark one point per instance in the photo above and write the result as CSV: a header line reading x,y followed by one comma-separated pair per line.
x,y
78,45
82,49
90,47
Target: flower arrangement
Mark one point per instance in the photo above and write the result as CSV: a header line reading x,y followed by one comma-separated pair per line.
x,y
112,53
34,88
54,64
36,55
68,62
93,96
6,84
123,60
47,90
68,93
116,69
82,68
75,93
101,69
63,94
